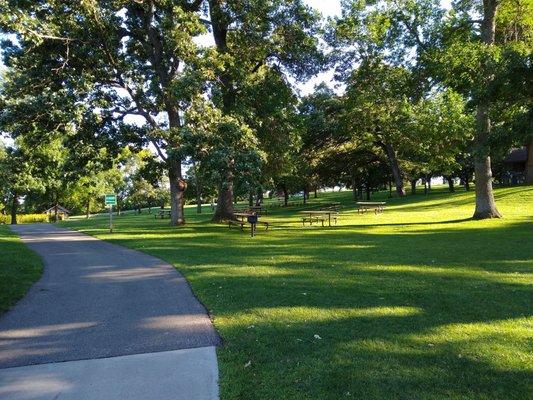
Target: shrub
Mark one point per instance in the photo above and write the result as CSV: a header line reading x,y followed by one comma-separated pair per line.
x,y
25,218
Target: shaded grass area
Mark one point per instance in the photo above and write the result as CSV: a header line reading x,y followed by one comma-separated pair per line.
x,y
419,302
19,268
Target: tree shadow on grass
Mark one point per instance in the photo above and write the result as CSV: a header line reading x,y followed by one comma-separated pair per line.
x,y
370,358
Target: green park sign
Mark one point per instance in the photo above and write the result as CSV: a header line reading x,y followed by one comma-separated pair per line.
x,y
110,199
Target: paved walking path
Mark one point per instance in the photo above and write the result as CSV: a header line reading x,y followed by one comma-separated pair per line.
x,y
122,311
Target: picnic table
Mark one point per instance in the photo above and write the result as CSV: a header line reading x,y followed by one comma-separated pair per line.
x,y
319,215
163,214
363,206
247,217
242,215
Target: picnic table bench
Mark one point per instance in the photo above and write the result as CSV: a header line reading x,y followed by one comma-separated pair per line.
x,y
162,214
312,219
363,206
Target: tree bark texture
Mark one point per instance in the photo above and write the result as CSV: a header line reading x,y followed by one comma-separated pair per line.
x,y
224,210
177,190
259,199
451,186
14,208
88,209
285,196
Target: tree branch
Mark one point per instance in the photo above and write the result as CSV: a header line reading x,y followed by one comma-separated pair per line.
x,y
193,6
158,149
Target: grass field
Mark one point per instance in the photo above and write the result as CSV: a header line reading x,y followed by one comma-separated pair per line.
x,y
19,268
417,303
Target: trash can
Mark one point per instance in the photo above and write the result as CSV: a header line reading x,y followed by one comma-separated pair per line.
x,y
252,220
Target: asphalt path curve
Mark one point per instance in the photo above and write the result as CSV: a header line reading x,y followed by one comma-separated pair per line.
x,y
97,300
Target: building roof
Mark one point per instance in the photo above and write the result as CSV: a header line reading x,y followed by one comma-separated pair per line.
x,y
516,156
60,209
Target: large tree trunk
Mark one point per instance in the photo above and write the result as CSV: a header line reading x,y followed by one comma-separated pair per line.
x,y
451,186
395,168
225,210
466,179
88,209
251,199
285,196
14,208
198,200
259,200
198,193
177,190
413,186
485,203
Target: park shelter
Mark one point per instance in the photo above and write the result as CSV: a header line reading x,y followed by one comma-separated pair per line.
x,y
518,166
62,212
516,160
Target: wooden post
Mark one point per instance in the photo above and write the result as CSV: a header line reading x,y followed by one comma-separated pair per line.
x,y
110,219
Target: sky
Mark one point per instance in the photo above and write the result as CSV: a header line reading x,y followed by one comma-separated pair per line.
x,y
328,8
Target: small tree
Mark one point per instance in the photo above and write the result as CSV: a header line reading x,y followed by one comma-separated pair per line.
x,y
18,176
221,147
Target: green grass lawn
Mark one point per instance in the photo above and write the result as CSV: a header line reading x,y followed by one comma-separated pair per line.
x,y
416,303
19,268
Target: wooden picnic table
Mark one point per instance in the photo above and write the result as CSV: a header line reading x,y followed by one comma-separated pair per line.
x,y
242,222
316,213
363,206
242,215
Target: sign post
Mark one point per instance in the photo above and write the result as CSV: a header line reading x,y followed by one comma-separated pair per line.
x,y
111,200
